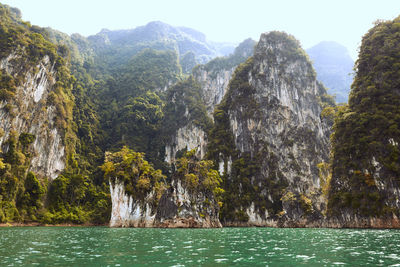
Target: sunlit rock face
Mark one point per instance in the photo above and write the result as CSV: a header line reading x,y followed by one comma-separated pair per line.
x,y
213,84
29,112
188,137
273,106
214,76
128,212
177,208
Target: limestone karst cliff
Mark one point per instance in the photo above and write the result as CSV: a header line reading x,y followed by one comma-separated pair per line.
x,y
202,91
38,141
35,103
142,197
267,140
31,112
268,137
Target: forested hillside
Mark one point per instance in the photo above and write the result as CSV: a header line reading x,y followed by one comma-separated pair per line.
x,y
365,143
106,91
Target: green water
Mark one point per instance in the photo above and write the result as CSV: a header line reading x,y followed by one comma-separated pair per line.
x,y
101,246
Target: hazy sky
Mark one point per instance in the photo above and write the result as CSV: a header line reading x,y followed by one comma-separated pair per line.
x,y
310,21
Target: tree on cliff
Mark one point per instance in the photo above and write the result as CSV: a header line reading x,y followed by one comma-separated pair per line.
x,y
138,176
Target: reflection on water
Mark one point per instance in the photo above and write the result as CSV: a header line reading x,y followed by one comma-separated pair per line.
x,y
101,246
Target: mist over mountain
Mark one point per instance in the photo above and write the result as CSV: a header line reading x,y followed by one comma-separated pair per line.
x,y
334,68
120,45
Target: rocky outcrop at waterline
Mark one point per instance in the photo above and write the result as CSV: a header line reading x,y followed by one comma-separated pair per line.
x,y
142,197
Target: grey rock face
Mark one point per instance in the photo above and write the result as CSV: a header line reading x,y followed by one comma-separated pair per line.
x,y
274,116
188,137
213,85
213,79
31,114
128,212
179,207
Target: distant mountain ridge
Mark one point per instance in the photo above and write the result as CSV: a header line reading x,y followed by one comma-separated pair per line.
x,y
334,68
123,44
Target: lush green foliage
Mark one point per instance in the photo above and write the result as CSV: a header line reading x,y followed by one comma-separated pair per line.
x,y
184,105
366,133
138,176
198,175
22,194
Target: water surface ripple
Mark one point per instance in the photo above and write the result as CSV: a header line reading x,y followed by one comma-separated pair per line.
x,y
102,246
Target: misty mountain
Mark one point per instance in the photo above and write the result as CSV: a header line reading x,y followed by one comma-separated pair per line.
x,y
121,45
334,66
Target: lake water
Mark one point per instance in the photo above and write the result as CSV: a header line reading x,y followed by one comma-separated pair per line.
x,y
102,246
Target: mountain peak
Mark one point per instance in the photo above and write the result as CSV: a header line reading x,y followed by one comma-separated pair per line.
x,y
334,66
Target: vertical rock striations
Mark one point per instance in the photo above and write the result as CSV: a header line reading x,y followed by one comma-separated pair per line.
x,y
202,91
30,111
214,76
268,137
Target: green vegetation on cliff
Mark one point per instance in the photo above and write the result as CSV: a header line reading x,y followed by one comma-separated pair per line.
x,y
138,176
240,191
365,142
23,196
198,175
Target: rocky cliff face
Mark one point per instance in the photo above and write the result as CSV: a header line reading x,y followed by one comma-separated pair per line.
x,y
127,211
214,77
210,83
273,138
30,112
179,207
187,137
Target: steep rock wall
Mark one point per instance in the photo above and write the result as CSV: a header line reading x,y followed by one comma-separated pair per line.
x,y
126,211
210,82
275,137
213,85
188,137
29,112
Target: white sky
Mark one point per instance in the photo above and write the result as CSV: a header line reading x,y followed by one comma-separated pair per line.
x,y
310,21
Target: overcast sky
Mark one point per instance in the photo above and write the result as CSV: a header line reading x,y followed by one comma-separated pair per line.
x,y
310,21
